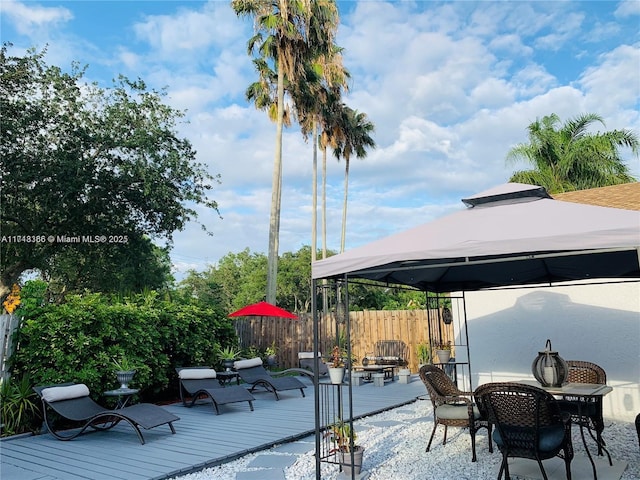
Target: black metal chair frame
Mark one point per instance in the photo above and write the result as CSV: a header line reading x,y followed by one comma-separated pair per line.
x,y
519,414
88,414
442,391
257,376
211,388
587,372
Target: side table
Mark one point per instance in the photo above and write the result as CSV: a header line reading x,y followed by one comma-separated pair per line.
x,y
225,377
124,395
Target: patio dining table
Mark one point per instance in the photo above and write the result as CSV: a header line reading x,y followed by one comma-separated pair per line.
x,y
582,392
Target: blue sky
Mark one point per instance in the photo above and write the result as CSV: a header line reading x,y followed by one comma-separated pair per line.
x,y
450,87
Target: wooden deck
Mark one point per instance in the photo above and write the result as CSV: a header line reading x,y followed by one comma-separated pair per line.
x,y
202,438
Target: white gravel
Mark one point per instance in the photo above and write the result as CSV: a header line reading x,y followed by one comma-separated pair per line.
x,y
394,444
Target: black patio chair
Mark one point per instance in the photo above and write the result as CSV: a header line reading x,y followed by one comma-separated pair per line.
x,y
71,401
528,424
586,411
198,382
305,360
452,407
252,371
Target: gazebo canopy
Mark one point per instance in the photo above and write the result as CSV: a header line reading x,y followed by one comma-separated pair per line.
x,y
513,234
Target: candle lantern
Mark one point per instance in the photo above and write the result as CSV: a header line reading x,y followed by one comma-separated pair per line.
x,y
549,368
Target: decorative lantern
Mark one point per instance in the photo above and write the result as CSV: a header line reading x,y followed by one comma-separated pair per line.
x,y
447,317
549,368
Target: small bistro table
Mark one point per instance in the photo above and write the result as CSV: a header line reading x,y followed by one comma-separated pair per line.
x,y
123,395
583,392
387,370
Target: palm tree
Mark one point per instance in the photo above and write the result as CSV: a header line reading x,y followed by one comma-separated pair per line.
x,y
354,139
567,157
313,101
284,38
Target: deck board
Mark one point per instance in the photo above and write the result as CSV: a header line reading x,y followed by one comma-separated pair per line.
x,y
202,438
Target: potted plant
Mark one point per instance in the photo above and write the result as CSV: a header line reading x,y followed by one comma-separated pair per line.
x,y
443,351
271,352
227,356
125,369
424,353
344,439
336,365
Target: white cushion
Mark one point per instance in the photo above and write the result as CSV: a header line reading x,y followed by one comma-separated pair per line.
x,y
55,394
307,354
196,373
455,412
252,362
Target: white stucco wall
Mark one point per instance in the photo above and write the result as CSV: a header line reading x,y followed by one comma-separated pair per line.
x,y
599,323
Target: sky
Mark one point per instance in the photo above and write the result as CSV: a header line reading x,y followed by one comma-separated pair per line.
x,y
450,87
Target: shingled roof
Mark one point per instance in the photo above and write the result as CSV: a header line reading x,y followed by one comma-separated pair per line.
x,y
625,196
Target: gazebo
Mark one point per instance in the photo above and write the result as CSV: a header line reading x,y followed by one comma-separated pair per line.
x,y
510,235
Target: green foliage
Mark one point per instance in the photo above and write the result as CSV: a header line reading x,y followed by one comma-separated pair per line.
x,y
239,279
342,436
19,409
78,340
568,157
83,161
228,353
423,352
252,352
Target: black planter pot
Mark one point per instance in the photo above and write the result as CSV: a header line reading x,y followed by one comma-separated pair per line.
x,y
228,364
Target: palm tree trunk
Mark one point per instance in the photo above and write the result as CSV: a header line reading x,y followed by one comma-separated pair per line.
x,y
314,193
276,195
344,205
324,202
325,297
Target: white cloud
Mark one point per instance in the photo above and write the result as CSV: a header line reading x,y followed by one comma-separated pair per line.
x,y
29,18
627,8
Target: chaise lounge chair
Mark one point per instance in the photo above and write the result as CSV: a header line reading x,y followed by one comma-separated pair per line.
x,y
252,372
72,402
196,382
306,362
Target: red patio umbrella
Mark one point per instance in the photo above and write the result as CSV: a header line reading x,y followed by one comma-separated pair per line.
x,y
262,309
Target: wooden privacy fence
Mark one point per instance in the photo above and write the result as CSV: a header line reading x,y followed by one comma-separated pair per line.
x,y
8,325
367,327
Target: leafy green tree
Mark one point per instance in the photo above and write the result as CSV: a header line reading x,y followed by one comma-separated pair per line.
x,y
294,280
238,280
568,157
284,41
81,163
131,267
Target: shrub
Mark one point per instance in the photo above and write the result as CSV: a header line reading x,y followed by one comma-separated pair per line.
x,y
79,339
19,409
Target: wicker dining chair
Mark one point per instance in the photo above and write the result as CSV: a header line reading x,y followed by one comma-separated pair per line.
x,y
452,407
587,412
528,424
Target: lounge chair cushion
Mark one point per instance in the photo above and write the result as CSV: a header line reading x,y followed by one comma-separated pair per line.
x,y
55,394
307,355
252,362
196,373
